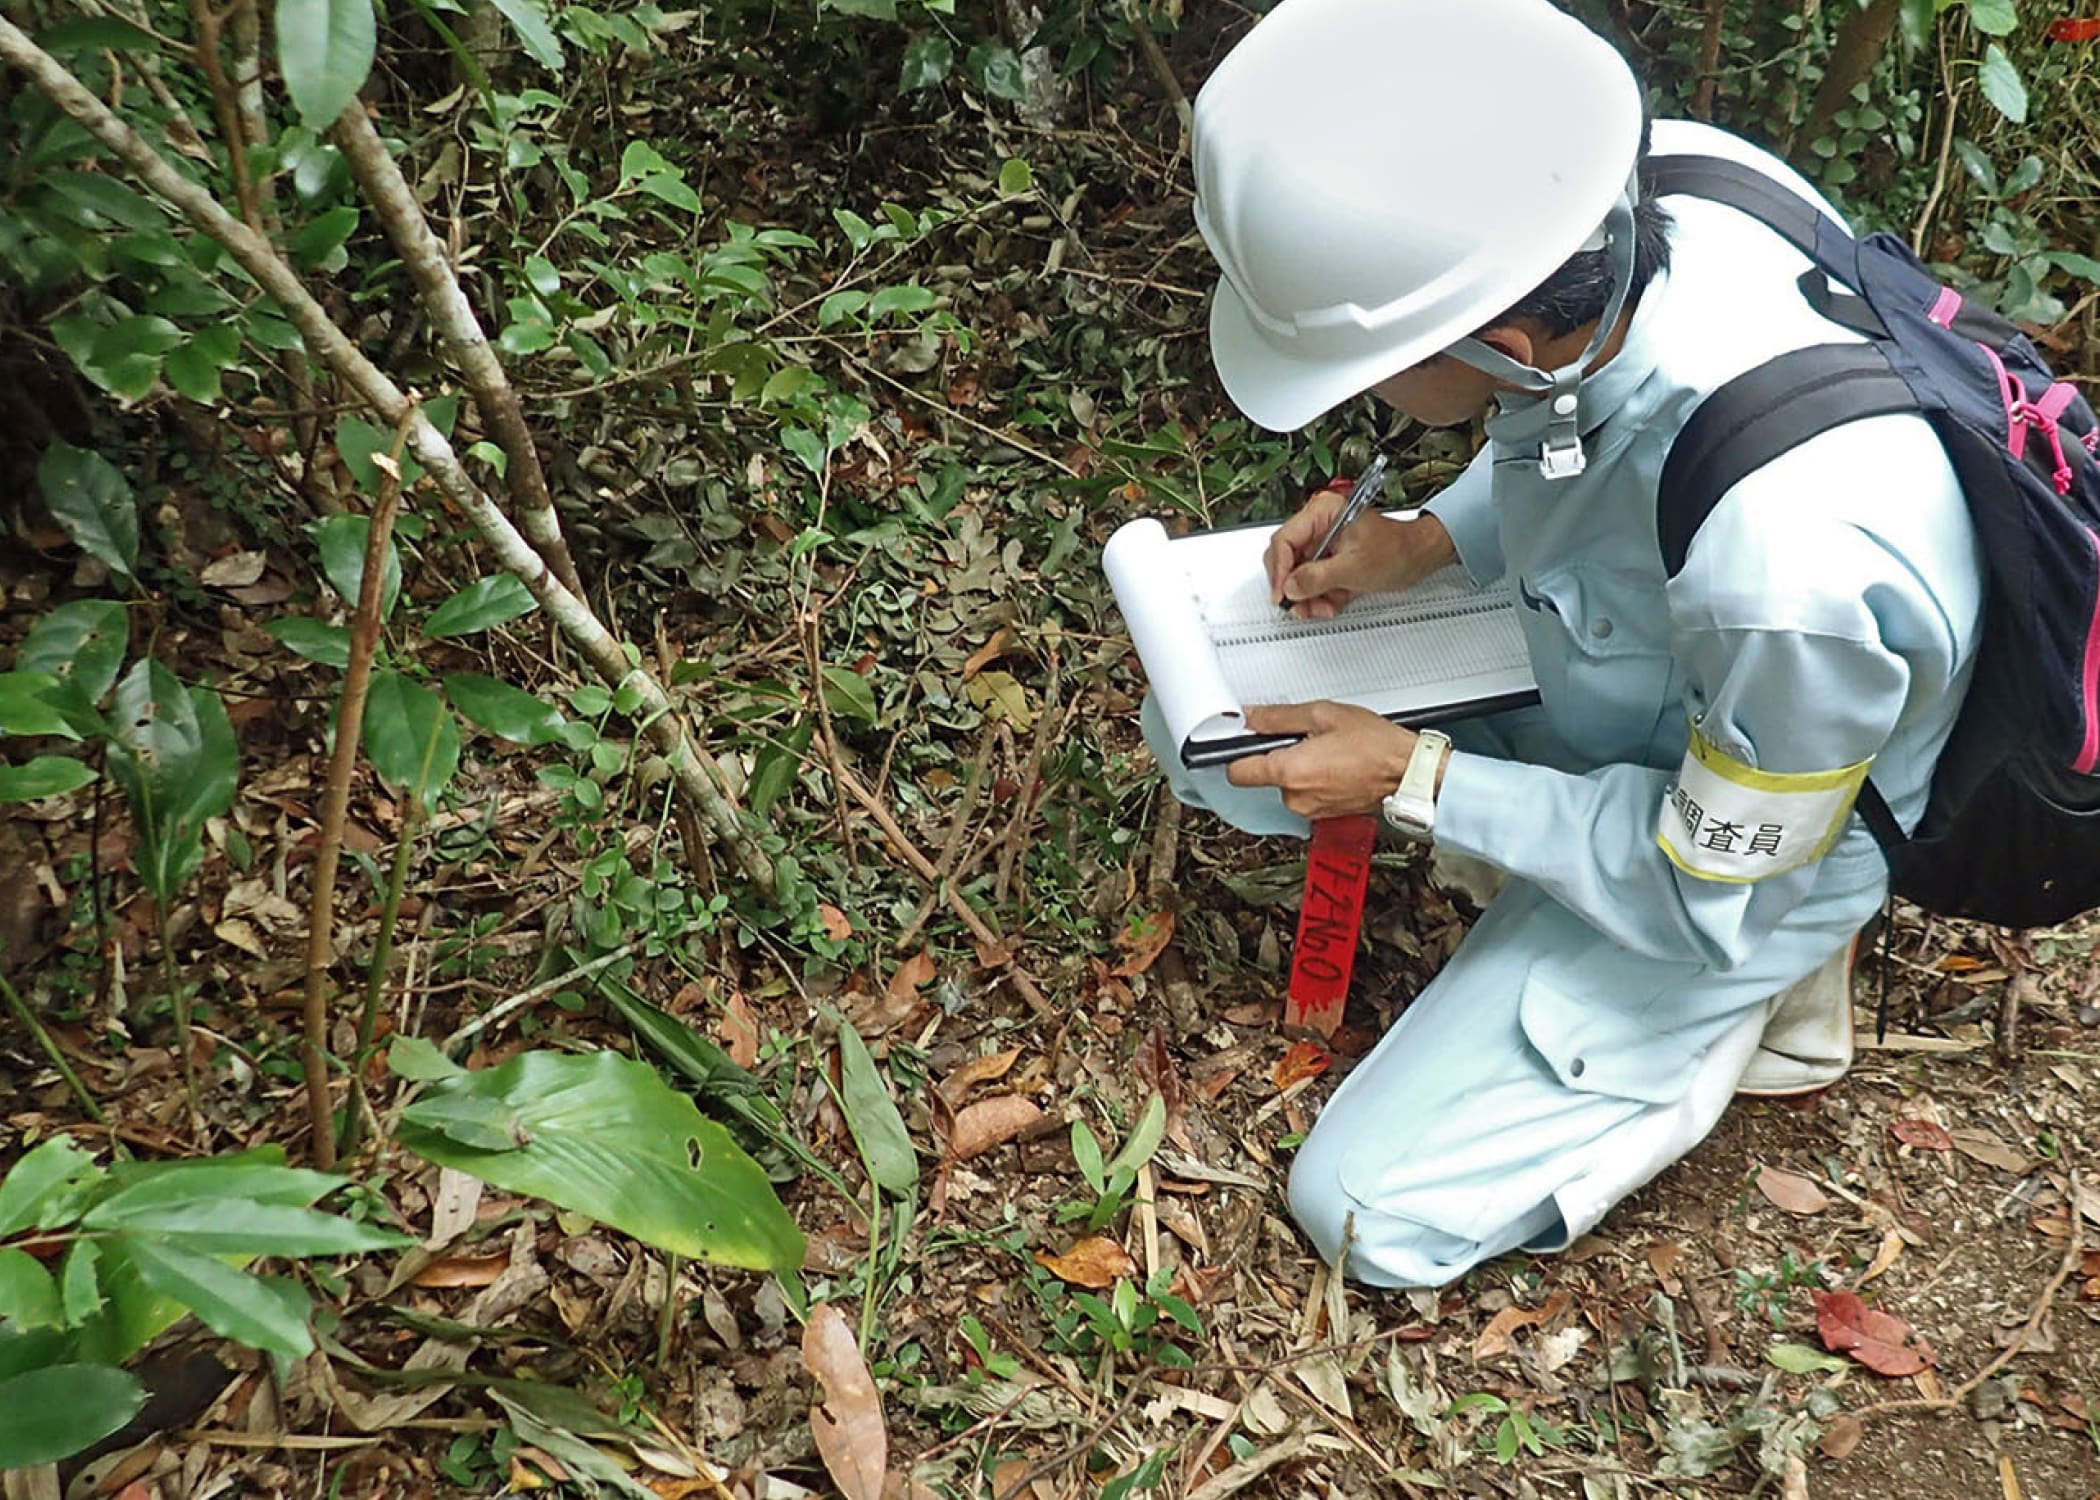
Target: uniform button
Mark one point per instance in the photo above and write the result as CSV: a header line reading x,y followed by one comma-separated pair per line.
x,y
1577,1068
1600,627
1565,405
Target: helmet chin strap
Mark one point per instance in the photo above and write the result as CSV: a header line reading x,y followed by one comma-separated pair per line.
x,y
1557,415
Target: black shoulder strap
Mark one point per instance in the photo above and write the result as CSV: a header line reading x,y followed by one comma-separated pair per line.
x,y
1759,415
1730,182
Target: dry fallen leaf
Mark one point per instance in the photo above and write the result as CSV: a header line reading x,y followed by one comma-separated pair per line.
x,y
1664,1257
1095,1262
1881,1341
1922,1134
837,925
1844,1435
1496,1337
1304,1060
847,1425
1791,1191
1981,1145
957,1085
236,571
463,1270
989,652
991,1122
1891,1247
738,1030
914,972
1143,943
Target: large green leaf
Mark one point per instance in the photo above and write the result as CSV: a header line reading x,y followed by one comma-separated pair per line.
x,y
410,736
176,759
484,603
238,1227
37,1179
93,503
529,19
604,1136
81,643
324,49
2002,84
501,709
24,709
263,1312
28,1295
316,640
44,776
343,540
929,59
53,1413
872,1116
1994,17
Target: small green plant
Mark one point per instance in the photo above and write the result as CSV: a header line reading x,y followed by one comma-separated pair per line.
x,y
990,1363
1766,1294
1113,1180
1516,1431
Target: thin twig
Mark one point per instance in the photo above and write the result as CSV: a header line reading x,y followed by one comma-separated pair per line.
x,y
36,1029
539,991
1011,846
335,803
944,870
1950,92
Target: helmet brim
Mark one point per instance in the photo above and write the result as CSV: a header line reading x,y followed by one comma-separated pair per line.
x,y
1282,391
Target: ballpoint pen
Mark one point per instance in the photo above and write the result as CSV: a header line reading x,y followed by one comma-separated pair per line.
x,y
1361,494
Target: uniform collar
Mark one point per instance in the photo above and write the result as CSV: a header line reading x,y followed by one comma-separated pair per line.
x,y
1518,423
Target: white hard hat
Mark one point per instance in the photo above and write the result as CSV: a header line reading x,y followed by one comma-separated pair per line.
x,y
1378,178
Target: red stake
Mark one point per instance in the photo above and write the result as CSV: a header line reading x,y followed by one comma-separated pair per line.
x,y
1337,868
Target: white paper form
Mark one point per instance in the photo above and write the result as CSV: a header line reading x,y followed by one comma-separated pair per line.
x,y
1212,641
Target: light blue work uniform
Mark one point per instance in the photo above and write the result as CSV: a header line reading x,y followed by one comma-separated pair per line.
x,y
1596,1020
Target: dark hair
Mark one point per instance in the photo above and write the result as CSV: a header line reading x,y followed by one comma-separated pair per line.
x,y
1579,291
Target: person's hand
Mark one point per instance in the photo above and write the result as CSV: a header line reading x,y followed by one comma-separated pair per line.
x,y
1375,553
1349,762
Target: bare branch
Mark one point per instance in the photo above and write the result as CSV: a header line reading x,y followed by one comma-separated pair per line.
x,y
388,191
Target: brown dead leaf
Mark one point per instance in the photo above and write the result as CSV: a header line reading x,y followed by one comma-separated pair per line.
x,y
463,1270
1891,1247
1881,1341
738,1030
1791,1191
989,652
991,1122
914,973
957,1085
1983,1146
1304,1060
1922,1134
1096,1262
236,571
1255,1013
837,925
1664,1257
1843,1436
1496,1337
1142,943
847,1424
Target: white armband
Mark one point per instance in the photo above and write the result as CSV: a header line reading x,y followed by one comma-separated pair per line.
x,y
1723,820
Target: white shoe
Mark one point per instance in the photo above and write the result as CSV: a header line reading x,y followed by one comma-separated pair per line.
x,y
1807,1043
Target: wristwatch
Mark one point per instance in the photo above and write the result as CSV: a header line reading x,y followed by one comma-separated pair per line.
x,y
1412,806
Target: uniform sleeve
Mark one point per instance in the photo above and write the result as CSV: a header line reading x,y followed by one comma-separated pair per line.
x,y
1703,861
1467,509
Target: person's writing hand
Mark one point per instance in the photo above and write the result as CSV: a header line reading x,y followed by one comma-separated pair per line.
x,y
1374,553
1348,763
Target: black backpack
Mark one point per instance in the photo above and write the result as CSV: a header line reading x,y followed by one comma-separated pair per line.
x,y
2011,831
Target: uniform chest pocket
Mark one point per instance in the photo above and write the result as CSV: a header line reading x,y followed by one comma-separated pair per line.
x,y
1599,640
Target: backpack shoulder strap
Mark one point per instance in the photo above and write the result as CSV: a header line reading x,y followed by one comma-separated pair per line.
x,y
1759,415
1720,180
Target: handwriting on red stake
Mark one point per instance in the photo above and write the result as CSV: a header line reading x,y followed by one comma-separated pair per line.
x,y
1336,871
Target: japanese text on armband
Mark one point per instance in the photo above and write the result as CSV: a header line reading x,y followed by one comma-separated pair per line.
x,y
1723,820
